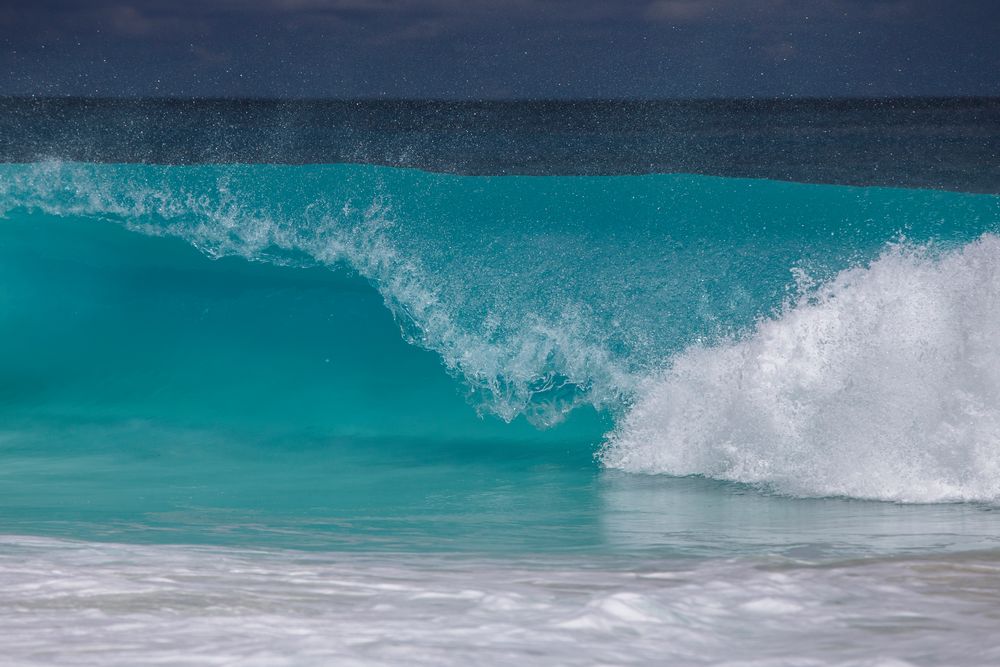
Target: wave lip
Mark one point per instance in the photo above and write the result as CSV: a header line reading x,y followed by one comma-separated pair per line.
x,y
882,384
514,361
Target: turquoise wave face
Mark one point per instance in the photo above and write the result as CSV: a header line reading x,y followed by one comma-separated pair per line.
x,y
378,355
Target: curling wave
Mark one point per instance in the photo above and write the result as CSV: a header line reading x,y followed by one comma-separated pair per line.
x,y
677,304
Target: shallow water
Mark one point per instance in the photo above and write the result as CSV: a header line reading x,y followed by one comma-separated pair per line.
x,y
66,602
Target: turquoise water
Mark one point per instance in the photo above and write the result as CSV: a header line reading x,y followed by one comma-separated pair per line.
x,y
365,357
677,378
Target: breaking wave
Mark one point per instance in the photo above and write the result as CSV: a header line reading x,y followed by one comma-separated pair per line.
x,y
816,340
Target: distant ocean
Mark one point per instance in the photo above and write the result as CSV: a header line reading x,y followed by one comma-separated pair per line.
x,y
314,383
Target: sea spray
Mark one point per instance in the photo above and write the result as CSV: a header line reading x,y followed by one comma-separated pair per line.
x,y
883,383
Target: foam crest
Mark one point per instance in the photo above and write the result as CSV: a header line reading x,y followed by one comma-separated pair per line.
x,y
883,383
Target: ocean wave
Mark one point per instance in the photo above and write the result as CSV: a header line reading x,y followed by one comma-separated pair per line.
x,y
546,294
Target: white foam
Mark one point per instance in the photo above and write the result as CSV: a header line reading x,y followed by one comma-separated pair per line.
x,y
87,603
882,384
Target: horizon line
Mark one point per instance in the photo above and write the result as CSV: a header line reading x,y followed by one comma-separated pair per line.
x,y
494,100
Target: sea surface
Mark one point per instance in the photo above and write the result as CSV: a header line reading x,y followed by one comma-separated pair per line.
x,y
372,383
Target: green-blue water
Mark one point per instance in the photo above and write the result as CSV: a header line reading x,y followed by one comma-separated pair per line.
x,y
366,358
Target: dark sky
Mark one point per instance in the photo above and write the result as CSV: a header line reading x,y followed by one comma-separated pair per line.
x,y
500,48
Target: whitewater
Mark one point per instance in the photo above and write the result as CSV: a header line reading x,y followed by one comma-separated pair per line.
x,y
302,414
